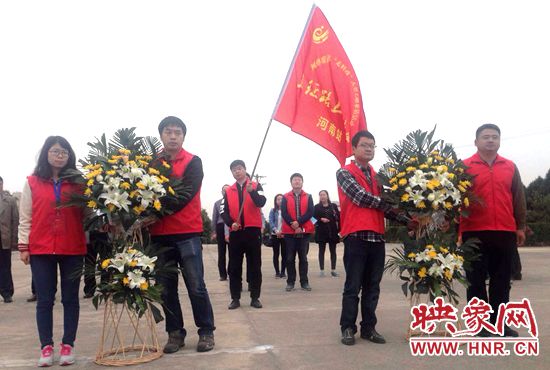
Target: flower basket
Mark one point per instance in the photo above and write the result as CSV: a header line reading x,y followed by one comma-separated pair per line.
x,y
416,299
127,338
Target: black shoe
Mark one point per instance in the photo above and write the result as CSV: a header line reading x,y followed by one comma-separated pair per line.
x,y
289,287
509,332
206,343
374,337
517,276
176,340
305,286
88,295
282,276
234,304
277,275
348,337
222,278
32,298
8,300
255,302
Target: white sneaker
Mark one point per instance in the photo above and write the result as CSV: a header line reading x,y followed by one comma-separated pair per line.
x,y
322,273
46,357
66,355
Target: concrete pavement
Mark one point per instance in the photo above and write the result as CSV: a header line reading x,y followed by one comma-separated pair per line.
x,y
294,330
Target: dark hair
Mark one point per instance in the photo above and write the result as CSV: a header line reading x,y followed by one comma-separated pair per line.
x,y
359,135
225,186
43,168
487,126
296,174
237,162
1,179
328,196
275,201
172,121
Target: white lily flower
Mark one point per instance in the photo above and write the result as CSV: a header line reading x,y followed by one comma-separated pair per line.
x,y
135,279
119,200
147,263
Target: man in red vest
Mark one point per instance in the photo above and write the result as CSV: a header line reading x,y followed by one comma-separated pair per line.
x,y
297,210
180,233
362,227
241,210
497,220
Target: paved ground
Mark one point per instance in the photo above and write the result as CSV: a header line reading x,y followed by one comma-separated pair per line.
x,y
296,330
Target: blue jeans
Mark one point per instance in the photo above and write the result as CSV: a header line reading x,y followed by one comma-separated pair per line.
x,y
44,275
364,264
187,254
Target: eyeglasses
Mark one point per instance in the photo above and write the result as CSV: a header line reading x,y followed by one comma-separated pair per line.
x,y
366,146
57,153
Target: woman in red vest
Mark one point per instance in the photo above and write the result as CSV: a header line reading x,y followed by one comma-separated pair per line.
x,y
51,236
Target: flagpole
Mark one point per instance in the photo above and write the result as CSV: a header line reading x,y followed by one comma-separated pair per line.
x,y
278,102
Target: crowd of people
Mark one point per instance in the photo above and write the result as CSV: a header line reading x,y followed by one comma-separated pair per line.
x,y
50,237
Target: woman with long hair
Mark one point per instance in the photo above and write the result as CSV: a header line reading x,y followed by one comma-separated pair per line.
x,y
277,238
326,230
52,236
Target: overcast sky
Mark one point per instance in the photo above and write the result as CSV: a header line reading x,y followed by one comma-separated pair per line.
x,y
79,69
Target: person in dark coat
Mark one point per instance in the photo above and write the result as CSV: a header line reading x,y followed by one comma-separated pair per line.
x,y
326,230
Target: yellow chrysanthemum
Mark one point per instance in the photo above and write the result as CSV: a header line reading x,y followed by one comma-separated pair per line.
x,y
442,168
448,274
423,166
153,171
432,254
165,164
451,176
90,182
433,183
125,281
402,182
133,263
429,246
112,161
133,194
140,185
411,255
111,172
466,202
125,185
448,205
137,210
88,192
405,197
143,163
171,191
461,188
394,187
410,169
460,258
439,158
461,170
111,207
422,272
105,263
143,286
421,205
401,174
392,169
164,178
443,250
157,205
412,159
91,204
434,152
124,151
393,180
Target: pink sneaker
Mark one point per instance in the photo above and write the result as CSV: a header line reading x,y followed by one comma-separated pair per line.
x,y
46,356
66,355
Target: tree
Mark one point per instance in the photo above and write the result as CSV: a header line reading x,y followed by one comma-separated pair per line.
x,y
537,196
206,236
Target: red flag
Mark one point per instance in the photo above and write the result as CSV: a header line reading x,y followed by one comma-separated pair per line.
x,y
321,99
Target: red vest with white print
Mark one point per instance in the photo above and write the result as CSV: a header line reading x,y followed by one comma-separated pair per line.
x,y
188,219
354,218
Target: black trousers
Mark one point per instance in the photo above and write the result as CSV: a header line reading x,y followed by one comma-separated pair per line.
x,y
322,248
6,280
245,242
279,248
222,250
298,246
496,249
99,246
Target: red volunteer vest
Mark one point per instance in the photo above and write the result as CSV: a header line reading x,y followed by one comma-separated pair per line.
x,y
188,219
252,214
354,218
291,208
492,185
55,230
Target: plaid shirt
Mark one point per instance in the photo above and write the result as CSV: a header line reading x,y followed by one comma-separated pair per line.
x,y
362,198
